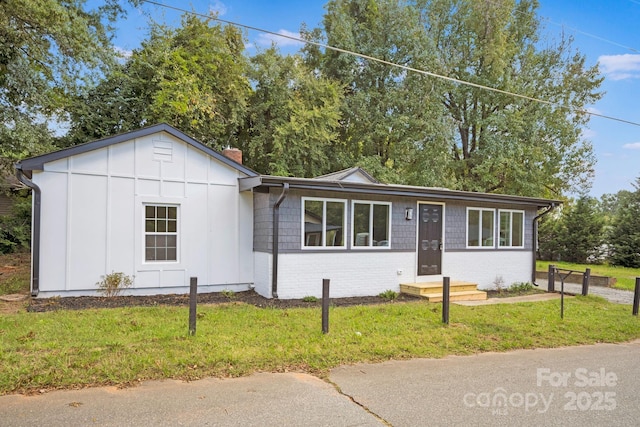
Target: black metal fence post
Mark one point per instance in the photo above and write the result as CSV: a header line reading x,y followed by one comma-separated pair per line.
x,y
193,299
446,284
636,297
585,282
325,306
551,278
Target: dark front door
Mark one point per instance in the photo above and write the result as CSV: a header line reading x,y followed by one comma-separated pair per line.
x,y
429,240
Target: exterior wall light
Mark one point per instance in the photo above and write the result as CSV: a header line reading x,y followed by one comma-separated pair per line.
x,y
408,214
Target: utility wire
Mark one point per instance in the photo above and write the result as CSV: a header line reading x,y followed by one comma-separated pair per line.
x,y
392,64
579,31
593,36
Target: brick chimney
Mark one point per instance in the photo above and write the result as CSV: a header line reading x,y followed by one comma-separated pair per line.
x,y
233,154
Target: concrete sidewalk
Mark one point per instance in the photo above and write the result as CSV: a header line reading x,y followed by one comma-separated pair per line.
x,y
511,300
576,386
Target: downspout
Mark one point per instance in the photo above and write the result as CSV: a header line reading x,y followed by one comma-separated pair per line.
x,y
35,232
276,238
535,240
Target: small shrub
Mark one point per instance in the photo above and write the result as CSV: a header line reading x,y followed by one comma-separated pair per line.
x,y
310,298
114,284
499,284
521,287
388,295
228,293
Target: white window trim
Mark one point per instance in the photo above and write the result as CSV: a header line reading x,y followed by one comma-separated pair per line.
x,y
466,241
371,203
303,243
178,233
511,212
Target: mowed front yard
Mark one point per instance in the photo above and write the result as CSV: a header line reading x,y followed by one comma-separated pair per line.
x,y
63,349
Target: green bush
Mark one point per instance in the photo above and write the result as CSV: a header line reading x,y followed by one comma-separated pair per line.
x,y
228,293
389,295
310,298
521,287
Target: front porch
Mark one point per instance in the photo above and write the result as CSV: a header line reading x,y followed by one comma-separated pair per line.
x,y
432,291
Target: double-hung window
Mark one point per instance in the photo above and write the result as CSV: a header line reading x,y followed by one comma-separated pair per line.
x,y
324,222
160,233
371,224
480,228
511,229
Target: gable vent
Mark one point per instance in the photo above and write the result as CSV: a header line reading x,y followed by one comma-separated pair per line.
x,y
162,151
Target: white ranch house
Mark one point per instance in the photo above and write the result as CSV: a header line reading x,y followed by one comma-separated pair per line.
x,y
160,206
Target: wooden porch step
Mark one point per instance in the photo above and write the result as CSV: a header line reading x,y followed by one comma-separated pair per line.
x,y
421,289
432,291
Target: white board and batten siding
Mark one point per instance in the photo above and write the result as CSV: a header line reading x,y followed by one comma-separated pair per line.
x,y
93,222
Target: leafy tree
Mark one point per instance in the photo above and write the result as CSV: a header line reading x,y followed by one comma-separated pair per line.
x,y
611,203
192,77
503,143
292,117
550,236
583,231
624,238
48,50
391,122
427,131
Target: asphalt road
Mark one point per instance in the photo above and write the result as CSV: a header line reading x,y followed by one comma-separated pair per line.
x,y
576,386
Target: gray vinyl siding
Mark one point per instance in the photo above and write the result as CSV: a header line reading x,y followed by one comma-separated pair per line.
x,y
456,226
403,232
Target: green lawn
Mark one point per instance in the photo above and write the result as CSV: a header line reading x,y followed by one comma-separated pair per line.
x,y
626,277
122,346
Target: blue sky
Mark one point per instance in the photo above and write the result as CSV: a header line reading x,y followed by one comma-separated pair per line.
x,y
607,32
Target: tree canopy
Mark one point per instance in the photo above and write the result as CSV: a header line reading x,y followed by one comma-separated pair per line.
x,y
461,136
624,236
48,50
193,77
292,119
319,110
392,122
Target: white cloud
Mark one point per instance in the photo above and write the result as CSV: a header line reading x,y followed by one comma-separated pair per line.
x,y
267,39
122,53
632,146
620,67
588,133
218,7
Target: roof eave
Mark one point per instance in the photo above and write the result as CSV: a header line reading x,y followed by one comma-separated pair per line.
x,y
391,190
37,163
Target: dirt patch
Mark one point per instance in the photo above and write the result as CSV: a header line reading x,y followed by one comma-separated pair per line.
x,y
14,280
248,297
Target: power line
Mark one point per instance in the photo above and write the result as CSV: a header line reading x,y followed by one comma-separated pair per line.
x,y
392,64
579,31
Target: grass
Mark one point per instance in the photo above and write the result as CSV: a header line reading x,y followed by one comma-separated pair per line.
x,y
626,277
67,349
